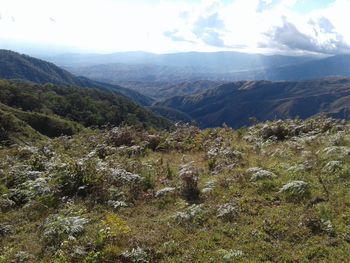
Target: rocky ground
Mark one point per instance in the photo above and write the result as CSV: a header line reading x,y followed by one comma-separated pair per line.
x,y
278,191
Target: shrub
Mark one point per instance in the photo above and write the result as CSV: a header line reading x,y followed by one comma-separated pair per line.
x,y
6,203
6,230
121,136
23,257
258,174
137,255
165,192
69,180
231,255
228,211
58,228
193,214
296,190
189,177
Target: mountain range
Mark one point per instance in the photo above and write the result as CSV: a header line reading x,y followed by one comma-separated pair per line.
x,y
139,67
209,103
156,74
235,103
202,61
338,65
163,76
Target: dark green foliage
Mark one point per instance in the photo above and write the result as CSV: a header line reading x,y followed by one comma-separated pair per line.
x,y
7,123
148,180
12,129
49,125
71,180
44,106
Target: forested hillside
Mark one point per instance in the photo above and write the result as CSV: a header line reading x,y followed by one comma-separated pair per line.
x,y
22,67
55,109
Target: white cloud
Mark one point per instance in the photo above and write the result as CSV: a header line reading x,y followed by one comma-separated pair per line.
x,y
165,25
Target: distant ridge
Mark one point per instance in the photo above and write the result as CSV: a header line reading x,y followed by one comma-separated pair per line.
x,y
216,66
338,65
203,61
234,103
22,67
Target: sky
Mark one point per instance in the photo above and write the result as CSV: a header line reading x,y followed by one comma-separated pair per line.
x,y
166,26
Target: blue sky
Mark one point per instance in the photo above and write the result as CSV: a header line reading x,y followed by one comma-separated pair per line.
x,y
162,26
306,6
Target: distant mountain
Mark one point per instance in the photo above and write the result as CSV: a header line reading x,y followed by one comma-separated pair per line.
x,y
234,103
162,90
172,114
215,62
149,77
135,96
154,81
338,65
78,60
167,88
22,67
146,73
166,75
228,61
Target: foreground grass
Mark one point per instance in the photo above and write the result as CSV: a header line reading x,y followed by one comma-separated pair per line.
x,y
79,212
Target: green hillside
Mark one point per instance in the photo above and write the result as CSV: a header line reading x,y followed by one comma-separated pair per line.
x,y
54,110
22,67
276,192
14,130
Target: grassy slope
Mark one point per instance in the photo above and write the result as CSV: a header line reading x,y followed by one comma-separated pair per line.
x,y
268,226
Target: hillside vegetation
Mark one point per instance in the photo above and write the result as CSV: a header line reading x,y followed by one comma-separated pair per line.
x,y
14,130
276,192
54,110
16,66
22,67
